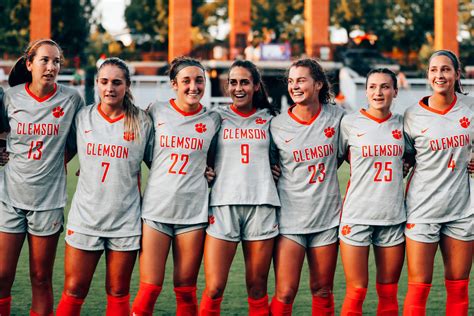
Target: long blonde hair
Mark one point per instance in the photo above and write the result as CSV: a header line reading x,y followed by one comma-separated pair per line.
x,y
132,119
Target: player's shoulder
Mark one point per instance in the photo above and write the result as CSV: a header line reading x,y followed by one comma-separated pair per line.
x,y
214,114
334,111
86,110
397,117
349,119
280,120
15,90
465,100
413,109
264,113
68,92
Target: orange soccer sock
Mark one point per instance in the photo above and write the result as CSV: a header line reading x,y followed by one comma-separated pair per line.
x,y
69,306
278,308
5,305
145,300
353,301
209,306
259,306
323,306
388,303
186,301
458,297
415,301
118,306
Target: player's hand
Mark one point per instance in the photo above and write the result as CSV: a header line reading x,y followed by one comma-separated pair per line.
x,y
470,166
4,156
209,174
406,168
276,172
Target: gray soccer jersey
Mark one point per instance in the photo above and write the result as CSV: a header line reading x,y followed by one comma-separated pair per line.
x,y
107,198
375,147
308,185
177,191
35,177
438,189
242,163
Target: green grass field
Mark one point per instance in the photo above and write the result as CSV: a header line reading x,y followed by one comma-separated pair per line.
x,y
235,298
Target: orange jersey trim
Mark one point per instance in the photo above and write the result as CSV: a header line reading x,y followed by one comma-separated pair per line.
x,y
175,106
301,121
426,107
239,113
34,96
376,119
108,119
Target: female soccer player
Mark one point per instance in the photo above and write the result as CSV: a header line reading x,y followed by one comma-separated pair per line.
x,y
175,205
113,138
243,196
373,210
307,140
438,197
38,113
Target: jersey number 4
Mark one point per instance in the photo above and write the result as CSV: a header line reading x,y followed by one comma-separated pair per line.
x,y
175,158
35,151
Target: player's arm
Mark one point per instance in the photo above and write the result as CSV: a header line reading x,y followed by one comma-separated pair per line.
x,y
343,142
274,160
150,141
210,174
409,155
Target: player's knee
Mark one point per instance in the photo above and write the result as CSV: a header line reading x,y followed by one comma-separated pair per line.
x,y
117,290
321,291
214,291
76,288
257,290
286,295
6,282
40,279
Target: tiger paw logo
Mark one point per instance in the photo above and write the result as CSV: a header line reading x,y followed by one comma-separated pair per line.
x,y
346,230
465,122
397,134
329,132
211,219
410,226
58,112
70,232
128,136
259,120
200,128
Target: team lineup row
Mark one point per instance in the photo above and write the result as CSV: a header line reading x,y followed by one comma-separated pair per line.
x,y
273,181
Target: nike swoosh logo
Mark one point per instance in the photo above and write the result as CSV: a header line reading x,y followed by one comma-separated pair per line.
x,y
159,124
288,140
360,135
424,130
88,131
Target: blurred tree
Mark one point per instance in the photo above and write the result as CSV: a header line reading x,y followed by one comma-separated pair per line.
x,y
70,25
278,20
401,24
14,26
148,23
